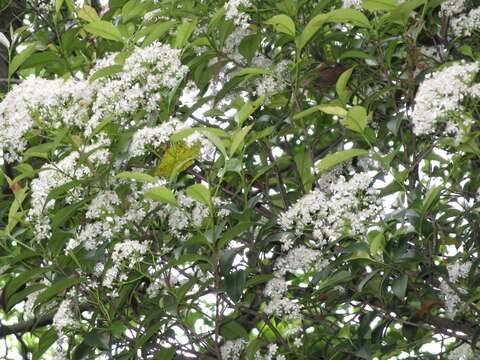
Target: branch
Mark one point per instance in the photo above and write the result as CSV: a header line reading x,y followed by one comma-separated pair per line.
x,y
27,326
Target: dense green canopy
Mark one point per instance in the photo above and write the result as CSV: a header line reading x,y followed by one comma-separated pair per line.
x,y
241,179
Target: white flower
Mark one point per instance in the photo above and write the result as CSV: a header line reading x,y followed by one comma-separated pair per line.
x,y
357,4
440,95
284,308
232,349
233,12
452,7
466,24
463,352
335,208
53,103
458,270
276,287
64,317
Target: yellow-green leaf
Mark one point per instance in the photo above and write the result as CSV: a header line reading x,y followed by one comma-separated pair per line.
x,y
161,194
104,29
183,33
282,23
327,109
338,157
200,193
136,176
178,157
88,13
356,119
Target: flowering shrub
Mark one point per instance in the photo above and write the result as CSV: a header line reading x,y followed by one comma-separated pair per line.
x,y
240,179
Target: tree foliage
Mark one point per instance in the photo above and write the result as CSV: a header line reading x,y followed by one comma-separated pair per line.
x,y
240,180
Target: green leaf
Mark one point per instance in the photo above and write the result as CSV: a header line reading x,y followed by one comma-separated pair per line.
x,y
399,286
22,279
46,340
431,197
338,157
104,29
57,288
106,71
283,23
248,109
21,57
41,59
157,31
215,141
187,132
57,192
253,347
183,33
259,279
249,45
232,330
378,244
253,71
233,233
337,16
22,295
98,339
81,351
161,194
58,5
132,9
304,164
200,193
356,119
341,85
88,14
66,213
234,284
136,176
379,5
165,354
238,139
226,260
353,16
149,333
327,109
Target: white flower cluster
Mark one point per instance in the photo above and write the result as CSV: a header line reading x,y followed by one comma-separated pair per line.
x,y
270,354
439,99
452,7
64,317
299,260
339,207
109,222
458,270
103,204
357,4
268,84
52,176
463,352
125,254
154,288
466,24
180,219
52,103
153,137
233,12
455,272
147,77
232,349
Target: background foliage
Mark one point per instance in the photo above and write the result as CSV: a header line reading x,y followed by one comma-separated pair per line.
x,y
250,179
